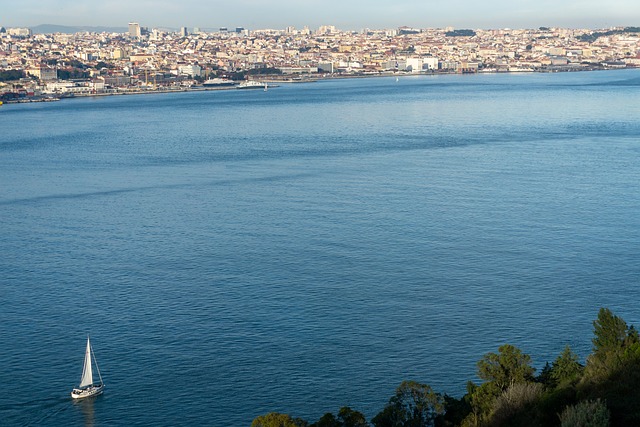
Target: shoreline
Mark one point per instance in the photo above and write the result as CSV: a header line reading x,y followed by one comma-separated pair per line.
x,y
292,80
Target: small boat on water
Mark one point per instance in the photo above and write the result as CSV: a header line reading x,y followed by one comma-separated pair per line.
x,y
87,388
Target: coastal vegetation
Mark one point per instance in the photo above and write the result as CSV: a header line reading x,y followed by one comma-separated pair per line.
x,y
604,391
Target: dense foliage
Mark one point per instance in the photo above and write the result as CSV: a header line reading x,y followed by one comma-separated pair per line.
x,y
8,75
73,73
264,71
590,38
603,392
460,33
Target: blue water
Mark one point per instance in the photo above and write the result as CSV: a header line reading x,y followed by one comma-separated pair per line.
x,y
309,247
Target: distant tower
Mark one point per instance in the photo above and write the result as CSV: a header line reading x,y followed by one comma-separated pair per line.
x,y
134,29
184,32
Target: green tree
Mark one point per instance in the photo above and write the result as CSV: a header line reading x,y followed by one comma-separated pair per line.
x,y
350,418
77,64
632,337
74,73
8,75
347,417
610,332
612,372
566,368
544,377
482,399
327,420
455,410
509,366
274,419
413,405
499,371
613,344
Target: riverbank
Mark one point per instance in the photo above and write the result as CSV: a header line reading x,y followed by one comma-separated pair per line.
x,y
274,81
28,100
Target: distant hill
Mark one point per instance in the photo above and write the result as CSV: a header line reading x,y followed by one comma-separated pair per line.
x,y
50,28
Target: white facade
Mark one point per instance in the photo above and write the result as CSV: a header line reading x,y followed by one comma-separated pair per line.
x,y
414,65
190,70
430,63
20,32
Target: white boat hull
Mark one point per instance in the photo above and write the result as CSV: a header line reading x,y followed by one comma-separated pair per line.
x,y
93,390
251,84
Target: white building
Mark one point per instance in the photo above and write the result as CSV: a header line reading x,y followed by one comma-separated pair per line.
x,y
190,70
430,63
20,32
414,65
65,87
327,29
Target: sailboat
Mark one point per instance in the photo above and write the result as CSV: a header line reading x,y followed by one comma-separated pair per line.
x,y
87,388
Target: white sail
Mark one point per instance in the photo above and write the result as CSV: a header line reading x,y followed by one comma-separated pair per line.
x,y
87,374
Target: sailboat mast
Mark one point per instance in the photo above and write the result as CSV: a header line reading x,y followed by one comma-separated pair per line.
x,y
96,362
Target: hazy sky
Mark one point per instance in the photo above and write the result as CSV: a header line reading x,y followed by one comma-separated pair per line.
x,y
344,14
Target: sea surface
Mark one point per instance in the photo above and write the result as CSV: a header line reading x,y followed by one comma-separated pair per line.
x,y
233,253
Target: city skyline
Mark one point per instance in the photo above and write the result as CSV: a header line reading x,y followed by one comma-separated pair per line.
x,y
348,16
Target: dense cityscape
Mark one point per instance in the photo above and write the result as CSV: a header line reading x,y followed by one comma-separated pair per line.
x,y
48,66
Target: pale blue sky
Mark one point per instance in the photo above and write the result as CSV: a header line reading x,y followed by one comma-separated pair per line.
x,y
344,14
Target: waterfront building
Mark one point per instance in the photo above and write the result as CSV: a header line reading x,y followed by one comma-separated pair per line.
x,y
326,67
430,63
43,73
190,70
298,70
414,65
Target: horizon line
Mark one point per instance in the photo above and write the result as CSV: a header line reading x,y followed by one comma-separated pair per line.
x,y
125,27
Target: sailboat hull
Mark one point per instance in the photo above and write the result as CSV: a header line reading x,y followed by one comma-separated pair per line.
x,y
82,393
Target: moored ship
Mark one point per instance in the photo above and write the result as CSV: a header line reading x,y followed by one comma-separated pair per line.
x,y
218,82
252,84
